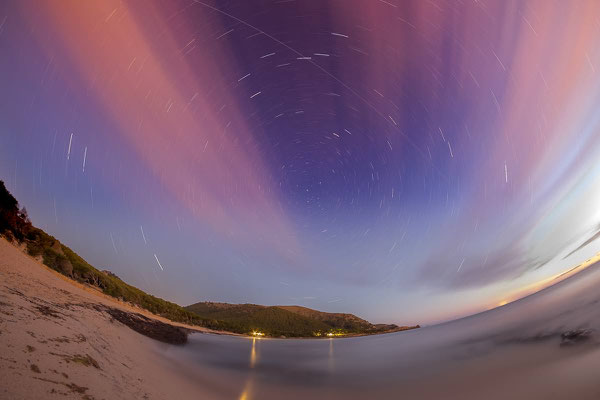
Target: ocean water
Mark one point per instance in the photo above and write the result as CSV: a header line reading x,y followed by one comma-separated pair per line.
x,y
542,347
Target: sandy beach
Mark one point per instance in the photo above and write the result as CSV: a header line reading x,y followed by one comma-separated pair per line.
x,y
56,344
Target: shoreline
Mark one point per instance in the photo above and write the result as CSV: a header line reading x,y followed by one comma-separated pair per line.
x,y
65,339
60,340
146,322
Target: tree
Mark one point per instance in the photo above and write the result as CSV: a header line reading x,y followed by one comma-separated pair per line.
x,y
13,223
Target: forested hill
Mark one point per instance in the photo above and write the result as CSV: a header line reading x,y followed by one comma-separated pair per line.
x,y
289,320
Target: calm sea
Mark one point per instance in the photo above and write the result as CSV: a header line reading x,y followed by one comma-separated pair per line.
x,y
520,351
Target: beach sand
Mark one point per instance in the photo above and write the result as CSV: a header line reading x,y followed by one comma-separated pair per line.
x,y
55,344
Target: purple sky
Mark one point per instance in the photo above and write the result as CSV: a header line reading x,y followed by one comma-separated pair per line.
x,y
408,162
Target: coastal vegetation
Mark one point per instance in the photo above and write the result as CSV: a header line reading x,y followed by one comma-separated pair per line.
x,y
16,226
288,321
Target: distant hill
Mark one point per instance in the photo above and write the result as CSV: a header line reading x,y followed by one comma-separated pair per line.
x,y
289,321
348,322
272,321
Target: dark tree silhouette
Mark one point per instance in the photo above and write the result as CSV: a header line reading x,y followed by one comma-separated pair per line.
x,y
12,221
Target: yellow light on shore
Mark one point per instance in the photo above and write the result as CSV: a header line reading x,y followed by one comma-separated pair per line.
x,y
255,333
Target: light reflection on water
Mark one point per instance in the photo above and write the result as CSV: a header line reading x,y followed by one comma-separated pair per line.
x,y
516,347
253,353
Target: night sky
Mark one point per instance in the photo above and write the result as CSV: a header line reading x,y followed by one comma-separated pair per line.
x,y
408,162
